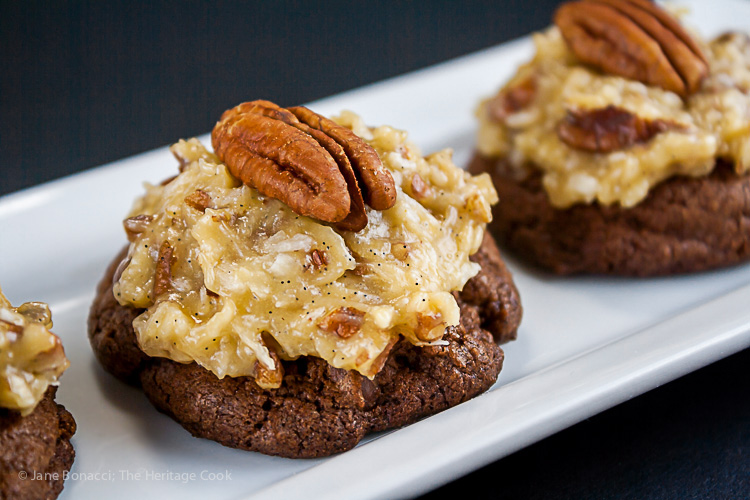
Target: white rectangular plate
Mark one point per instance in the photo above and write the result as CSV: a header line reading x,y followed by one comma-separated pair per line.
x,y
585,344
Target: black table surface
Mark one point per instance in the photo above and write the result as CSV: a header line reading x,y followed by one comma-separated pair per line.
x,y
86,83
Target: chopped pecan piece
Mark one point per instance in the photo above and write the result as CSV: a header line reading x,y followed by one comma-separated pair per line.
x,y
635,39
344,321
163,275
136,225
513,99
317,259
420,189
427,327
608,129
183,163
315,166
199,200
265,377
382,358
731,36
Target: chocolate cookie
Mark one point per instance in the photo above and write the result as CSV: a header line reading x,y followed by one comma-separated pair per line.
x,y
35,450
684,225
320,410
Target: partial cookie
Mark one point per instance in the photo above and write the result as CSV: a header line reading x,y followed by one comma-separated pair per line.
x,y
35,445
684,225
320,410
623,145
35,432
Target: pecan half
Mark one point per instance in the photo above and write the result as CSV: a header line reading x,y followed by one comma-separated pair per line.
x,y
635,39
344,321
378,188
608,129
318,168
357,218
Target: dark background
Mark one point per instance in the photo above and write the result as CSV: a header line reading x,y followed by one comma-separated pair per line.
x,y
85,83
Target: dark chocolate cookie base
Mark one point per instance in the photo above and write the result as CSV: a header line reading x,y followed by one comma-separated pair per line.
x,y
684,225
35,450
320,410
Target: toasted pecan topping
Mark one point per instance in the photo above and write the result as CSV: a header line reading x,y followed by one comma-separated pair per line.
x,y
318,168
428,326
420,189
199,200
378,188
382,358
317,258
512,99
136,225
269,377
163,276
635,39
608,129
344,321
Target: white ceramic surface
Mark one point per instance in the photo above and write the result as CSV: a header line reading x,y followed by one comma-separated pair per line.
x,y
585,344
